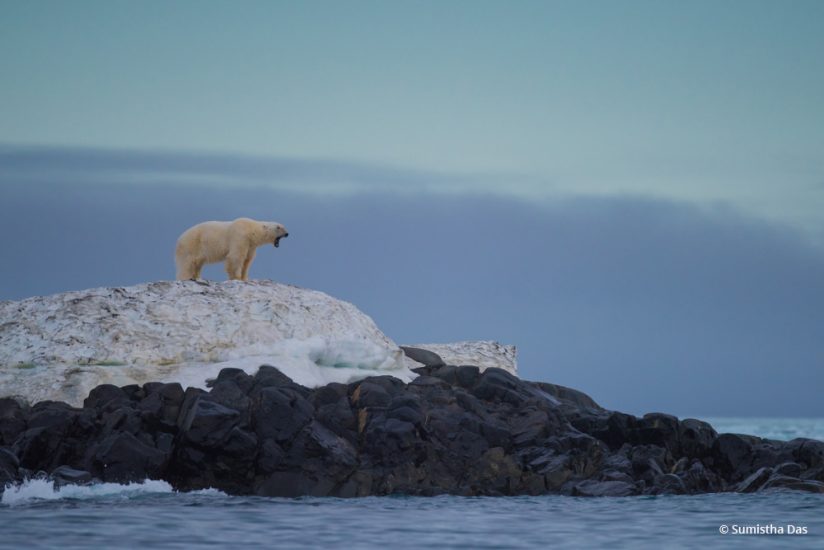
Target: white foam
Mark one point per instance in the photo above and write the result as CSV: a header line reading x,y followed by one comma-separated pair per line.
x,y
33,490
43,489
210,492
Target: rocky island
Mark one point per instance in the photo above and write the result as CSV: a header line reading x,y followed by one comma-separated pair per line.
x,y
267,389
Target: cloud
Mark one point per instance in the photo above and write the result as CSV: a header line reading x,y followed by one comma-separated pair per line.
x,y
88,165
645,304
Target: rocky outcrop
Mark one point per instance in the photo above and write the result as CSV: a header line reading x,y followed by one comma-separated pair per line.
x,y
453,429
162,381
483,354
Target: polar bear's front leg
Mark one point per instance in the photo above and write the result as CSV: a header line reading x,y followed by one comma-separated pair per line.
x,y
244,275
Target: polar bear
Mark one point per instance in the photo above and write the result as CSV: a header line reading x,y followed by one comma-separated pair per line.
x,y
235,242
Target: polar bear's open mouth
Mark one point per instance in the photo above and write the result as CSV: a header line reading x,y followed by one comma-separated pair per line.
x,y
277,239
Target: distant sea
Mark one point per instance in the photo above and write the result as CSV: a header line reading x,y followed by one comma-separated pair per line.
x,y
782,429
152,515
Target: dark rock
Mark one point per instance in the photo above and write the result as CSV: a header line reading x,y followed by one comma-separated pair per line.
x,y
808,452
668,484
430,382
190,397
571,397
123,458
658,429
467,375
9,467
592,488
447,373
618,462
452,430
240,443
229,394
328,395
733,453
699,479
123,419
338,417
423,356
52,415
792,483
789,469
133,392
530,426
318,442
615,475
496,473
105,396
160,409
650,461
613,428
280,413
163,442
368,394
696,438
407,414
208,423
680,465
498,385
271,456
34,447
13,413
228,373
754,481
556,470
268,376
49,440
66,475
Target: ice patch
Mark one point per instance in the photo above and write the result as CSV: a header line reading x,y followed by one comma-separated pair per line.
x,y
312,362
60,347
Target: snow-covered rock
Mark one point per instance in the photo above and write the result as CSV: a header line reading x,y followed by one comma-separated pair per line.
x,y
483,354
59,347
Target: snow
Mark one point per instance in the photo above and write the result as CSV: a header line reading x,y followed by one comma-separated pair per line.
x,y
59,347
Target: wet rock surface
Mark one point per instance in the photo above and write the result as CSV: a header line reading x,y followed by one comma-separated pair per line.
x,y
454,429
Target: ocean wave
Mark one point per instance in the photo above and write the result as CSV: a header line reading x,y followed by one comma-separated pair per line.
x,y
34,490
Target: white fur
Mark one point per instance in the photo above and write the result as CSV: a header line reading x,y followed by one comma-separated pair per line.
x,y
234,242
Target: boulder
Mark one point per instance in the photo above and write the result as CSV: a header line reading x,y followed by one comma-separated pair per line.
x,y
423,356
123,458
9,467
592,488
66,475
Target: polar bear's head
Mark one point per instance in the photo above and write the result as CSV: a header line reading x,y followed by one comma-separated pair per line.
x,y
275,232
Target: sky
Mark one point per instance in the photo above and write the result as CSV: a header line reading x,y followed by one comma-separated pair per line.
x,y
630,192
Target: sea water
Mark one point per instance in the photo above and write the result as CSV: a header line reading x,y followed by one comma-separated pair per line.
x,y
151,514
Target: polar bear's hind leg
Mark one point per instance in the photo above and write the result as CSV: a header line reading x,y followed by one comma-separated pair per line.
x,y
234,267
188,269
246,263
